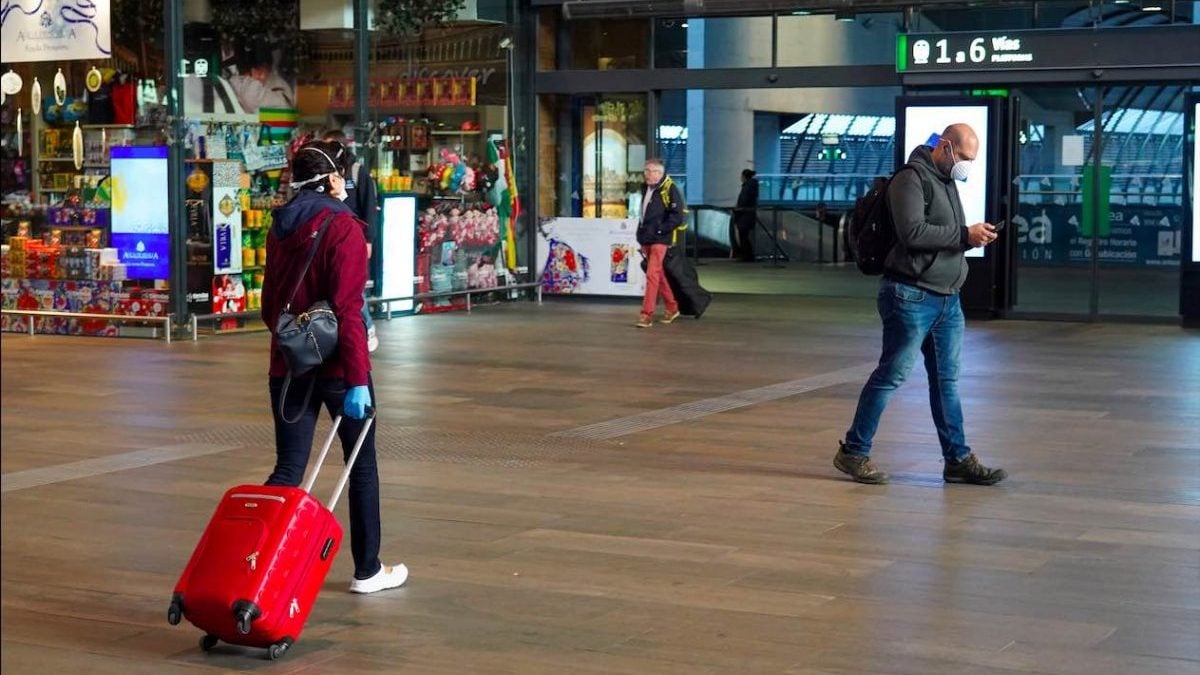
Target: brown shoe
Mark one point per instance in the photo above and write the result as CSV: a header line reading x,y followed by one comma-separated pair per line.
x,y
669,317
859,467
644,321
969,470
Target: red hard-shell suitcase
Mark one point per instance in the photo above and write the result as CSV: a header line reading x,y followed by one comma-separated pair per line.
x,y
257,570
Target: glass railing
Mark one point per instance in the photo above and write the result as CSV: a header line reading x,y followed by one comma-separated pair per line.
x,y
1163,189
812,188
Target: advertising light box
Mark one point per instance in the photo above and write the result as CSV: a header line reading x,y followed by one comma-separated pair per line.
x,y
398,249
140,212
923,121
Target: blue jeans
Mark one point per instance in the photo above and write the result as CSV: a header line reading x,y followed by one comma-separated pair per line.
x,y
293,444
915,319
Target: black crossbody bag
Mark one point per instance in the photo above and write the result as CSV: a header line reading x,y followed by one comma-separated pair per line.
x,y
308,339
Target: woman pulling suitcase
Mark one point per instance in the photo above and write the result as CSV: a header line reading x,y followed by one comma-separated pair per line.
x,y
337,274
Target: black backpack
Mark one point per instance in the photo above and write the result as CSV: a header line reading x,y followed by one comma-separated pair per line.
x,y
872,232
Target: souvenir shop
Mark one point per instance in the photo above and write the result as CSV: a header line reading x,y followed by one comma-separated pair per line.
x,y
92,155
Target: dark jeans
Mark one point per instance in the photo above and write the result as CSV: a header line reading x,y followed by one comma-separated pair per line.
x,y
915,319
293,444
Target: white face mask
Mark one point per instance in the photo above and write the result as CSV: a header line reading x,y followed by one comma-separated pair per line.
x,y
961,170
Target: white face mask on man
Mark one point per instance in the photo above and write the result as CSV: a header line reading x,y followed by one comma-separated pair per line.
x,y
961,169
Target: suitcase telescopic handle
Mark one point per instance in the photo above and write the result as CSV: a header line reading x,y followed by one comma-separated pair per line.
x,y
316,467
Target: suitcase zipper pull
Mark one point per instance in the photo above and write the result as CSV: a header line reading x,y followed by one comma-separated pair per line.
x,y
252,559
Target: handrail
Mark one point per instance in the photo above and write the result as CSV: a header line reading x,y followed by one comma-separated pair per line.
x,y
254,313
468,292
197,318
166,320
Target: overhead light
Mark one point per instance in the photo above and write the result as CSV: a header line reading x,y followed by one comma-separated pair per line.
x,y
683,25
801,12
843,16
1151,8
1120,2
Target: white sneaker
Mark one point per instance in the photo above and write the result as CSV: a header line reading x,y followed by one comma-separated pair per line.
x,y
372,339
385,578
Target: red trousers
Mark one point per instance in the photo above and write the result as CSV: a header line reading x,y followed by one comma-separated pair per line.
x,y
656,281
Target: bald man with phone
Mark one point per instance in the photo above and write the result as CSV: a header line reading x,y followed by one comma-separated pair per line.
x,y
919,306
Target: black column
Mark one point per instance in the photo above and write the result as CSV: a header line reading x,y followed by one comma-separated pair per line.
x,y
176,214
362,62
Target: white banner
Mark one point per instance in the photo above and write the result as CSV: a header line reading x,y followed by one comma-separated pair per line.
x,y
591,256
226,217
55,30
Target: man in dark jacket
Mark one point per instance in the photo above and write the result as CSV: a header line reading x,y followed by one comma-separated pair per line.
x,y
919,305
745,215
362,199
662,215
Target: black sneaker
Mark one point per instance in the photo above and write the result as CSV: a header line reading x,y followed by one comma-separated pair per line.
x,y
969,470
859,467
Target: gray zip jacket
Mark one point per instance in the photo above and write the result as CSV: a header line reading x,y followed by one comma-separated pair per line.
x,y
931,229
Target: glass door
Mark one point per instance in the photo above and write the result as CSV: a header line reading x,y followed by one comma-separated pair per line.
x,y
1053,256
1138,247
1099,224
613,131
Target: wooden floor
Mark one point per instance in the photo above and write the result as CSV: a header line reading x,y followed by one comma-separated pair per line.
x,y
574,495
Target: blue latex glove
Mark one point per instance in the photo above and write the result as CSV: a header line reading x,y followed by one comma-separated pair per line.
x,y
358,399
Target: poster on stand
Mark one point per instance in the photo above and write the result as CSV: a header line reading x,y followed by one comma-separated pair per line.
x,y
590,256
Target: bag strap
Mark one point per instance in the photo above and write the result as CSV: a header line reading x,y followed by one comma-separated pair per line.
x,y
312,252
287,383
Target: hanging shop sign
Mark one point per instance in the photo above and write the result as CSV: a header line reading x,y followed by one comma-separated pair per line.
x,y
590,256
65,30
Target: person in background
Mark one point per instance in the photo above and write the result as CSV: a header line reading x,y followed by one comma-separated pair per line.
x,y
363,200
343,383
745,216
919,305
662,213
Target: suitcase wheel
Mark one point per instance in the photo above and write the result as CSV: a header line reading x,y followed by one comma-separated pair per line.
x,y
175,612
208,642
278,649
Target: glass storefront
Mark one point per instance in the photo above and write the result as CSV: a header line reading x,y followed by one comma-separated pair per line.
x,y
254,83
